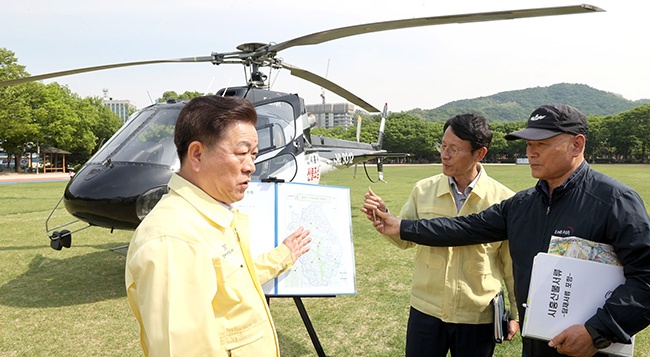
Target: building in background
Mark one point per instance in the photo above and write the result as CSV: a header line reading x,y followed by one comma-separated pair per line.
x,y
122,108
329,115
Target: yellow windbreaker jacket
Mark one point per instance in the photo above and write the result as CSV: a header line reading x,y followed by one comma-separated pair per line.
x,y
456,284
192,283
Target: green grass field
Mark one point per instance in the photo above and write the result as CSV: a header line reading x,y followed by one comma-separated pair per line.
x,y
72,302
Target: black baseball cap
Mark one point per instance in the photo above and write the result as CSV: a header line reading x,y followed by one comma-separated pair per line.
x,y
550,120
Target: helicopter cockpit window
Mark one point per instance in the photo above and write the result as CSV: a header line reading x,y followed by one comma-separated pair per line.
x,y
122,134
282,167
275,129
148,138
279,117
270,136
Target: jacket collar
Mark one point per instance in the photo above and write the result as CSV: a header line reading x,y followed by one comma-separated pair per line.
x,y
479,189
573,179
214,210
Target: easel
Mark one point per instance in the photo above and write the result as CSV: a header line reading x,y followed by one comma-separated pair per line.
x,y
306,320
297,299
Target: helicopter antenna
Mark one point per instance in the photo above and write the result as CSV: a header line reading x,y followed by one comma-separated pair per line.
x,y
322,90
226,88
209,85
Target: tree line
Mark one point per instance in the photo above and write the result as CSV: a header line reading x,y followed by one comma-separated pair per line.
x,y
34,115
620,138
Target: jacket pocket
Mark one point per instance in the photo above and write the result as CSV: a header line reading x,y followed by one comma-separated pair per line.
x,y
478,284
429,272
238,308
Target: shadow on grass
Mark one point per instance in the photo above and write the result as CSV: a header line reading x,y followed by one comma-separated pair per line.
x,y
290,347
46,243
64,282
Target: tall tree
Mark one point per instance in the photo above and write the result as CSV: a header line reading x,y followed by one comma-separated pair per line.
x,y
75,124
597,139
636,122
18,116
407,133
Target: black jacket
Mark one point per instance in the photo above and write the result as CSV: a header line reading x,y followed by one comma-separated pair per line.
x,y
588,205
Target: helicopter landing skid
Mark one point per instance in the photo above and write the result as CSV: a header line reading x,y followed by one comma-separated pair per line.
x,y
62,238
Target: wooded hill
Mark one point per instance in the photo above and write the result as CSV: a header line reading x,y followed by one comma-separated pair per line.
x,y
516,105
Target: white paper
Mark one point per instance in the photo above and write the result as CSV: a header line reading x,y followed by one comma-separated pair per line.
x,y
566,291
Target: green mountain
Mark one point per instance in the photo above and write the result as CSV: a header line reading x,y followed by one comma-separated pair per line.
x,y
517,105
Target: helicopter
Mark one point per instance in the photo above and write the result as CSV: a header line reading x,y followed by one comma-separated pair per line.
x,y
128,175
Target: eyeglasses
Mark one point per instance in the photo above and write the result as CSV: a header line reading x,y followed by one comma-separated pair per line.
x,y
451,151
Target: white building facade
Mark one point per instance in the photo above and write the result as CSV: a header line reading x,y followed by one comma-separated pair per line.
x,y
329,115
120,107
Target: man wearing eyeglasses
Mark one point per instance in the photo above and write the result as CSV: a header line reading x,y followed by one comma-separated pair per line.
x,y
570,200
453,286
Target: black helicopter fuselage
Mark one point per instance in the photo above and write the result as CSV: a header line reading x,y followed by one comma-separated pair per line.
x,y
122,182
125,179
108,195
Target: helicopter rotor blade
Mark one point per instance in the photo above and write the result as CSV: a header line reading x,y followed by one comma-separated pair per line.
x,y
329,85
263,54
99,68
329,35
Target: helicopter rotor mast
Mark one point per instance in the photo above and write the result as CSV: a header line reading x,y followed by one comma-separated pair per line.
x,y
257,55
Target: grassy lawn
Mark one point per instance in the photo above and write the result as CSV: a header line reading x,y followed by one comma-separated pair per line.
x,y
72,302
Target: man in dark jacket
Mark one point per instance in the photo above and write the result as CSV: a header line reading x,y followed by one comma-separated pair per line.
x,y
570,199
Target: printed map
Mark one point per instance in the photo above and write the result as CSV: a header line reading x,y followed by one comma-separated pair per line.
x,y
328,268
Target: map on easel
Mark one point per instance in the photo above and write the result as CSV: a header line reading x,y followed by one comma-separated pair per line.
x,y
276,210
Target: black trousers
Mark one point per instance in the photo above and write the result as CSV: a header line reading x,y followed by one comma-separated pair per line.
x,y
431,337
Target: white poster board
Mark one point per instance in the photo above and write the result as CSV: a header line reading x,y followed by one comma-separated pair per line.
x,y
566,291
277,209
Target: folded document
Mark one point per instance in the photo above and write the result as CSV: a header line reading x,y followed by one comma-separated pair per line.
x,y
565,291
501,318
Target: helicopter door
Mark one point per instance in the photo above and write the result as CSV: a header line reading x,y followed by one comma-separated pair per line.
x,y
276,131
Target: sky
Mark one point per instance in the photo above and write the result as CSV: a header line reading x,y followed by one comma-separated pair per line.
x,y
410,68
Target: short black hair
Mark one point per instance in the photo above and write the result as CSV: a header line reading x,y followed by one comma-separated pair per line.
x,y
206,119
471,127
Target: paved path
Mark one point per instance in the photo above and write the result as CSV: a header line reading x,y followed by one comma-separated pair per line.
x,y
12,177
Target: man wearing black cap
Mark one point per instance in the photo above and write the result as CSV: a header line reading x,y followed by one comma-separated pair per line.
x,y
570,199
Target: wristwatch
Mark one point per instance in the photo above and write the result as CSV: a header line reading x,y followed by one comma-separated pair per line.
x,y
599,341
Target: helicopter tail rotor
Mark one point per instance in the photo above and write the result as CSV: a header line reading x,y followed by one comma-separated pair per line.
x,y
380,140
382,127
358,140
378,145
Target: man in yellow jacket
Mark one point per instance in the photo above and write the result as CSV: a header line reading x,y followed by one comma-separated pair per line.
x,y
191,281
453,286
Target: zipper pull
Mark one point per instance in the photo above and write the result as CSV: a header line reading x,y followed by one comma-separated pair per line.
x,y
548,209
